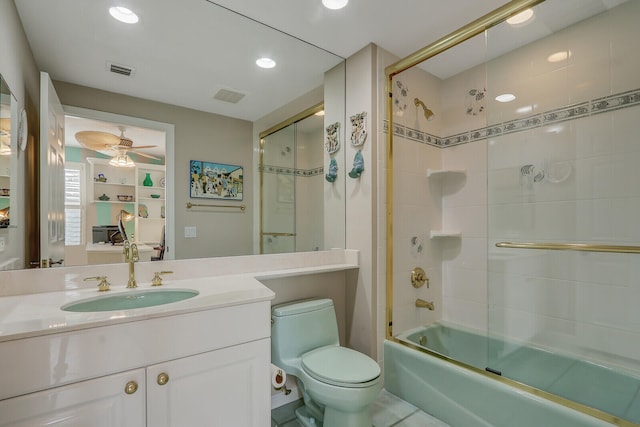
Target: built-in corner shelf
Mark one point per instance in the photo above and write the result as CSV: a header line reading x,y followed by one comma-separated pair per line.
x,y
434,173
438,234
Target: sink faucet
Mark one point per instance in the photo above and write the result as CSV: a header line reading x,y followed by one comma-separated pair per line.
x,y
131,256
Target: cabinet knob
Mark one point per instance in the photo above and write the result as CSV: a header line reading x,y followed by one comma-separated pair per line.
x,y
131,387
163,378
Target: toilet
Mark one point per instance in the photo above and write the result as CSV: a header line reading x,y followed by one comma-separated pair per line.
x,y
338,384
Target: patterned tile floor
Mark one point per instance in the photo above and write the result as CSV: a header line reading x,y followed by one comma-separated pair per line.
x,y
388,411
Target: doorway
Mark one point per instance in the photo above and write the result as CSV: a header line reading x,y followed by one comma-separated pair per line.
x,y
100,195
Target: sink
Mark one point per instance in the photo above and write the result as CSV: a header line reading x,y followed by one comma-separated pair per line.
x,y
130,300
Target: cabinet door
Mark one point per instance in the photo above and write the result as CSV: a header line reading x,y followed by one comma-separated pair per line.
x,y
101,402
228,387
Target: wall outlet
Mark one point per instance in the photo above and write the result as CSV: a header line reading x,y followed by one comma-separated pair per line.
x,y
1,244
189,232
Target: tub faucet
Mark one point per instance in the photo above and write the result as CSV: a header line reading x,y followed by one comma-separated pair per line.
x,y
425,304
131,256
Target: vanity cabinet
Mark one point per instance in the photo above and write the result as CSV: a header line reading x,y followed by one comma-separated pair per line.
x,y
224,388
209,367
98,402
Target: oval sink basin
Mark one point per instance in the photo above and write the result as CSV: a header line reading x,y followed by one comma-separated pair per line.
x,y
130,300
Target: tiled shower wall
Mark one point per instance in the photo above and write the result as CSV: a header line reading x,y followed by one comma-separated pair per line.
x,y
586,161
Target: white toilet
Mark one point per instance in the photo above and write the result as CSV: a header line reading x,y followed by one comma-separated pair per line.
x,y
338,384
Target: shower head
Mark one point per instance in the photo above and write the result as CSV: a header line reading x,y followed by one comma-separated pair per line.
x,y
428,114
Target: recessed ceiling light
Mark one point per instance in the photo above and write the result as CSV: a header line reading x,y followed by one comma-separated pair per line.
x,y
334,4
265,63
559,56
123,14
521,17
505,97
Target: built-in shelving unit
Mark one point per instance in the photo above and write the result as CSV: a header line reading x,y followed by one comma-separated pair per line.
x,y
436,173
437,234
445,174
144,199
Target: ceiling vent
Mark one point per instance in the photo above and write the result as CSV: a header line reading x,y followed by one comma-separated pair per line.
x,y
228,95
123,70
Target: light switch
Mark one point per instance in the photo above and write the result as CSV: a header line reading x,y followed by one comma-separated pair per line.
x,y
189,232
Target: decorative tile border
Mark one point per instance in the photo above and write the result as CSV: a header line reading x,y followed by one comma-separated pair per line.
x,y
571,112
279,170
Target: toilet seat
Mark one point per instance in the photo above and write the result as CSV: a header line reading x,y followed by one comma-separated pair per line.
x,y
340,366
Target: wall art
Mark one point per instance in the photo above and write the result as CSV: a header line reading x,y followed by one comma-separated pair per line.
x,y
211,180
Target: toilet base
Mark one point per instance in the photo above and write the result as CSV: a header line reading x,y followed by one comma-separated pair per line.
x,y
306,419
335,418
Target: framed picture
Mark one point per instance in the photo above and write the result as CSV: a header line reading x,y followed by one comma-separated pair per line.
x,y
210,180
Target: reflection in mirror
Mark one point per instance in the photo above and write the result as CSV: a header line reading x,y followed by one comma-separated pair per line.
x,y
291,186
5,154
205,84
9,254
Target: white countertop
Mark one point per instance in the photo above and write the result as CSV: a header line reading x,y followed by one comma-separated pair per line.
x,y
24,316
35,314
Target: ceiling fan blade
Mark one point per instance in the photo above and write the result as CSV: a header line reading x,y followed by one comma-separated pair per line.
x,y
97,141
138,147
144,155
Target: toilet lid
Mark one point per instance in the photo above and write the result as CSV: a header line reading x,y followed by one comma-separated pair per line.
x,y
340,366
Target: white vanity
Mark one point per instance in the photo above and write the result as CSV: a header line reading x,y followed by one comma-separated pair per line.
x,y
201,361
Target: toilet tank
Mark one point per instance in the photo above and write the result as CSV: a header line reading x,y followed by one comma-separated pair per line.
x,y
301,326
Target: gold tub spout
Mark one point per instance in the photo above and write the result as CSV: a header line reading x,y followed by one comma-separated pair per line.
x,y
425,304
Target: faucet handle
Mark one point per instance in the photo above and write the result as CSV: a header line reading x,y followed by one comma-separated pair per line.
x,y
157,280
103,285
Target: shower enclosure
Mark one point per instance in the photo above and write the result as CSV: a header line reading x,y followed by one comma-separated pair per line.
x,y
292,186
519,196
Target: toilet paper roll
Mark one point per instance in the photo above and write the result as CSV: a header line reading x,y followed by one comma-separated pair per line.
x,y
278,376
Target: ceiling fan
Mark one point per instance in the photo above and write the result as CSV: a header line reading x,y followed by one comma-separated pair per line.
x,y
110,144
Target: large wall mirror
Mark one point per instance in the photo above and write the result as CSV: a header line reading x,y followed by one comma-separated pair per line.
x,y
188,71
9,209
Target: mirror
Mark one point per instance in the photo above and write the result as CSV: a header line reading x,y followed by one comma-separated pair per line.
x,y
9,209
205,83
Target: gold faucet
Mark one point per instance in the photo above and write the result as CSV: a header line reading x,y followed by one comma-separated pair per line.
x,y
425,304
131,256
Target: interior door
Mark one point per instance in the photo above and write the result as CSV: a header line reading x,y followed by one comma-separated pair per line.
x,y
51,175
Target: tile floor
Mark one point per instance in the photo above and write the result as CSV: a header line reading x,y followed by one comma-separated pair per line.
x,y
388,411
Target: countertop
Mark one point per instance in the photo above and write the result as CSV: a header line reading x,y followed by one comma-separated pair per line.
x,y
30,315
37,314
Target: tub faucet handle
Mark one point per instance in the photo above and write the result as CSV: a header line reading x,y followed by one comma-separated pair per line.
x,y
103,285
419,278
157,280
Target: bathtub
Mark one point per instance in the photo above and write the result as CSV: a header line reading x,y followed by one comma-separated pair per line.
x,y
464,395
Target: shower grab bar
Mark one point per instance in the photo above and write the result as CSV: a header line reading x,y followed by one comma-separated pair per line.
x,y
191,205
584,247
275,234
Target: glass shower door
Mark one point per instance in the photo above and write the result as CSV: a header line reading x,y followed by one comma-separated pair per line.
x,y
562,171
277,195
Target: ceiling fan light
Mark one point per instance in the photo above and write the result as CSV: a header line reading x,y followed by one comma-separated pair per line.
x,y
334,4
123,14
122,160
